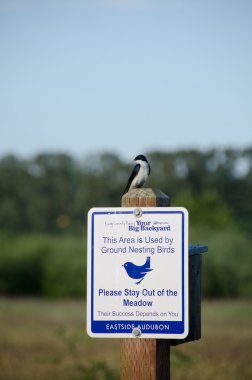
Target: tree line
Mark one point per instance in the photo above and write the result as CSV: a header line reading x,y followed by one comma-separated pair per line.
x,y
52,192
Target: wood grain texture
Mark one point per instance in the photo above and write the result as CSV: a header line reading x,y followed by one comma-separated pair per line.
x,y
145,359
138,359
145,197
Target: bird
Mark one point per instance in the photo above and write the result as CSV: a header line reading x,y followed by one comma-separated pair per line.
x,y
139,174
137,272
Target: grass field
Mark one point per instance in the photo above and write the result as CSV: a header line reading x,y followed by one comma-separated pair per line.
x,y
46,339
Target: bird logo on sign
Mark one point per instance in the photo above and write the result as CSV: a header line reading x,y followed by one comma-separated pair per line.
x,y
137,272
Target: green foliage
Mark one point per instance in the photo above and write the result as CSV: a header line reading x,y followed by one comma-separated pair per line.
x,y
207,209
42,265
227,267
22,265
54,266
44,202
65,268
52,192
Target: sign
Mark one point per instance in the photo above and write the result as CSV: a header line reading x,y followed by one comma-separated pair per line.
x,y
137,283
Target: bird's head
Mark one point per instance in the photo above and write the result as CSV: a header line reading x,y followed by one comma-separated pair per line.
x,y
140,157
128,266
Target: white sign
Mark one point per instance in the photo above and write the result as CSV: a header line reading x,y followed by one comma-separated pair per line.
x,y
137,283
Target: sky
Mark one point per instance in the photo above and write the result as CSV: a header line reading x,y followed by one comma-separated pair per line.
x,y
124,76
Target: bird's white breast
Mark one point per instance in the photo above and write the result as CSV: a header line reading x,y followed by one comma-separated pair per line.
x,y
142,175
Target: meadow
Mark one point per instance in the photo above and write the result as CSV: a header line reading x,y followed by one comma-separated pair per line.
x,y
44,202
46,339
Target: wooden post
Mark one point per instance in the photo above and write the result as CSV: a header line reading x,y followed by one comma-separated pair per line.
x,y
145,359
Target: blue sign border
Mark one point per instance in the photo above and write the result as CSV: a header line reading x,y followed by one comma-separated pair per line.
x,y
147,327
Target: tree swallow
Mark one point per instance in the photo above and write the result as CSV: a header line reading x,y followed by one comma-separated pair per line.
x,y
139,174
137,272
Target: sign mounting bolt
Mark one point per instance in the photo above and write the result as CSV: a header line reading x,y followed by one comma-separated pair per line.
x,y
138,212
137,332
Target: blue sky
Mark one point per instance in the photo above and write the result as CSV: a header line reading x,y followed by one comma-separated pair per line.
x,y
125,76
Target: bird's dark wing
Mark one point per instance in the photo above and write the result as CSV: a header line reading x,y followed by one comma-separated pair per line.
x,y
143,273
132,176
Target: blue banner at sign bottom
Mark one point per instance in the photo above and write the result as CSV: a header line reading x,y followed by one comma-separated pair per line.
x,y
146,327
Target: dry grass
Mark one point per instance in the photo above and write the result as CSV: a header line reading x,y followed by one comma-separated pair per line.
x,y
224,352
46,340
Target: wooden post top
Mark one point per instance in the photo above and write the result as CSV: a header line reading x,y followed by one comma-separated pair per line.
x,y
145,197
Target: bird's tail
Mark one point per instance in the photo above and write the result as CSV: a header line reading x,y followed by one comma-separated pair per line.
x,y
126,188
